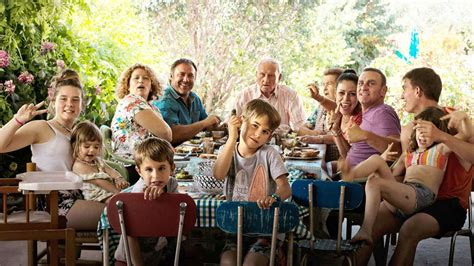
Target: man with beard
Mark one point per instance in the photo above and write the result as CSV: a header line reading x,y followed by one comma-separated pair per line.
x,y
181,108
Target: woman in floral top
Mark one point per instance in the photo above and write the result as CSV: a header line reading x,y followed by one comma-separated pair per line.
x,y
135,119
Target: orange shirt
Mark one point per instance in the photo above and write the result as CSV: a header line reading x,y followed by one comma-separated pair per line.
x,y
456,182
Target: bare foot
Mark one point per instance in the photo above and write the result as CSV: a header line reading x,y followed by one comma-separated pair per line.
x,y
362,236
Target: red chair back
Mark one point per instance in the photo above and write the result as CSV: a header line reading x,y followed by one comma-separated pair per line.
x,y
159,217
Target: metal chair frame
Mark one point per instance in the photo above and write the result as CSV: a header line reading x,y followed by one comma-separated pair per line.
x,y
243,219
338,203
172,214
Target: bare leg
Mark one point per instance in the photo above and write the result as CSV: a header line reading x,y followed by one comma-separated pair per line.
x,y
399,195
385,223
374,164
418,227
84,214
255,259
229,258
135,253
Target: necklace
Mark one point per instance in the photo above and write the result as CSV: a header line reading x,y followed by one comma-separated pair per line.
x,y
93,164
68,130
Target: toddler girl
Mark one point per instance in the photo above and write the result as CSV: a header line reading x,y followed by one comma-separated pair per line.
x,y
100,180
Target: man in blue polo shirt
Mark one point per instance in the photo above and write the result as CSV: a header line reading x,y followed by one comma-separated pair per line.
x,y
181,108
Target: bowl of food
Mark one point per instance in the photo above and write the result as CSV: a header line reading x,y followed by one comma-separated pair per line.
x,y
183,175
195,141
218,134
209,184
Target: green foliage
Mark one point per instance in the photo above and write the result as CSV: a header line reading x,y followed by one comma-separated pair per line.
x,y
71,29
227,40
373,23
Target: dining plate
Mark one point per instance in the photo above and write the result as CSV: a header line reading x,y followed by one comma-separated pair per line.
x,y
183,154
185,180
301,158
180,158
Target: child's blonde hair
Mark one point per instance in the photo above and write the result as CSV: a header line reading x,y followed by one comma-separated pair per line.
x,y
257,108
82,132
156,149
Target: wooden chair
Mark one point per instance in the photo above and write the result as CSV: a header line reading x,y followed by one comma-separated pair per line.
x,y
333,195
108,151
247,218
84,218
172,214
34,225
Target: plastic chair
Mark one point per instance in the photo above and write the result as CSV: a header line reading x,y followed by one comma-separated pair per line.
x,y
172,214
333,195
109,154
34,225
247,218
120,168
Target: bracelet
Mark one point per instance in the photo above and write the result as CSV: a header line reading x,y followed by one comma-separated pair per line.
x,y
276,197
21,123
337,133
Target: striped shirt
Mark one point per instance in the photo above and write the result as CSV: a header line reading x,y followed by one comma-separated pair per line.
x,y
285,100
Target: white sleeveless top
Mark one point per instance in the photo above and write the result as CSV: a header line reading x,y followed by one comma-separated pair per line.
x,y
54,155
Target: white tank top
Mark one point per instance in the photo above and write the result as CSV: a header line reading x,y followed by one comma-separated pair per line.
x,y
54,155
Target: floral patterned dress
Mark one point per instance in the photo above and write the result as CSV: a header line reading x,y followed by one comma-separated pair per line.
x,y
126,133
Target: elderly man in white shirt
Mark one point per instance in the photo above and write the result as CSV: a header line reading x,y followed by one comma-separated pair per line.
x,y
285,100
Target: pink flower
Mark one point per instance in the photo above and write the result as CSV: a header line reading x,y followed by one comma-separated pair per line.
x,y
60,64
97,90
9,86
4,59
46,47
26,78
